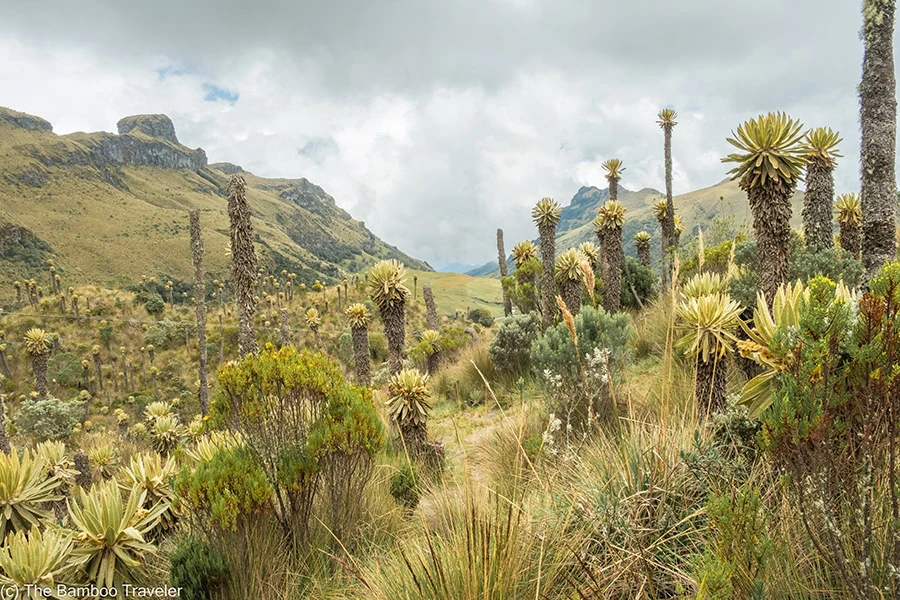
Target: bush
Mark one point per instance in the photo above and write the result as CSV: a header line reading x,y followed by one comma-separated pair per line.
x,y
596,328
511,347
230,488
833,263
48,418
197,569
163,335
403,487
154,304
65,368
644,281
481,316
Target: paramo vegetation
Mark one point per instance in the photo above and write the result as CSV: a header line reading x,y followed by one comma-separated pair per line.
x,y
719,421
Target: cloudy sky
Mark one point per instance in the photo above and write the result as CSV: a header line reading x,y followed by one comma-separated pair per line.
x,y
436,122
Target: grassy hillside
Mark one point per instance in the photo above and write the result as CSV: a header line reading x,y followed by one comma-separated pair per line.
x,y
698,209
109,220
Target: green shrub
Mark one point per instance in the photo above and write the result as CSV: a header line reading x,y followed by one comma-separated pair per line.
x,y
833,263
644,281
511,347
164,335
65,368
230,488
197,569
481,316
154,304
48,418
404,488
378,349
596,328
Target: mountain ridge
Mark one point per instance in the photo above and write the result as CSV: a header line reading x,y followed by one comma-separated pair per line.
x,y
112,207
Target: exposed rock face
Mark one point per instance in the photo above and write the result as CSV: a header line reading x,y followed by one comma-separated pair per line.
x,y
227,168
24,121
20,244
141,150
158,126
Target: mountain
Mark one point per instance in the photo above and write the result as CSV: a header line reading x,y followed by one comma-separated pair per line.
x,y
698,209
109,208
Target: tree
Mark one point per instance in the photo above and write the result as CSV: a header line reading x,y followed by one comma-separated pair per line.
x,y
243,260
667,123
569,277
389,293
313,321
501,256
642,245
546,214
358,317
200,305
37,344
878,122
819,198
769,162
849,218
707,323
608,225
408,407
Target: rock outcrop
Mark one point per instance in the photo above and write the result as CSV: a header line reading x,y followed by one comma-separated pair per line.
x,y
227,168
140,149
156,126
23,120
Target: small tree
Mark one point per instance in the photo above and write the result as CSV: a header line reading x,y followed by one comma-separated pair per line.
x,y
37,344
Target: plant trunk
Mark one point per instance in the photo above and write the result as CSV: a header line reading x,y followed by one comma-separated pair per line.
x,y
83,467
612,288
878,121
771,223
361,355
4,364
394,330
643,255
4,436
39,369
244,269
851,239
570,290
284,330
431,315
668,225
504,272
200,306
548,285
710,385
433,362
817,206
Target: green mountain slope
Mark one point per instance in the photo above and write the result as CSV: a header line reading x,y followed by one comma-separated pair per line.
x,y
109,208
698,209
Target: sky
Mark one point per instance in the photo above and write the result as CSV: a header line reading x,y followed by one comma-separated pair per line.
x,y
436,122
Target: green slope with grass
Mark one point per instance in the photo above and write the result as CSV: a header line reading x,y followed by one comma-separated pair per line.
x,y
112,208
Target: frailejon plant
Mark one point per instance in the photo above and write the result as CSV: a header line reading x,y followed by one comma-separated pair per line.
x,y
849,218
666,121
546,215
821,160
501,257
569,278
37,345
25,491
642,241
243,258
608,225
389,293
409,406
32,559
154,475
358,317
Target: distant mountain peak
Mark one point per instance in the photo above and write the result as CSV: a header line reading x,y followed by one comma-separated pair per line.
x,y
157,126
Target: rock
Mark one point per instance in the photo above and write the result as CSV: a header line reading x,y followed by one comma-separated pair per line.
x,y
140,150
227,168
158,126
24,121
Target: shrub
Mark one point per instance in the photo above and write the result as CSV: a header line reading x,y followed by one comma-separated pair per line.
x,y
48,418
481,316
833,263
644,281
197,569
163,335
65,368
596,328
154,304
403,487
230,488
511,347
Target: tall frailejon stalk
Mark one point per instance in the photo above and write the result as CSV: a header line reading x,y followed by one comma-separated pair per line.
x,y
546,214
284,328
666,121
849,217
358,317
200,306
504,272
389,293
769,163
37,344
431,315
819,199
642,242
243,260
608,225
569,276
4,436
313,321
878,122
